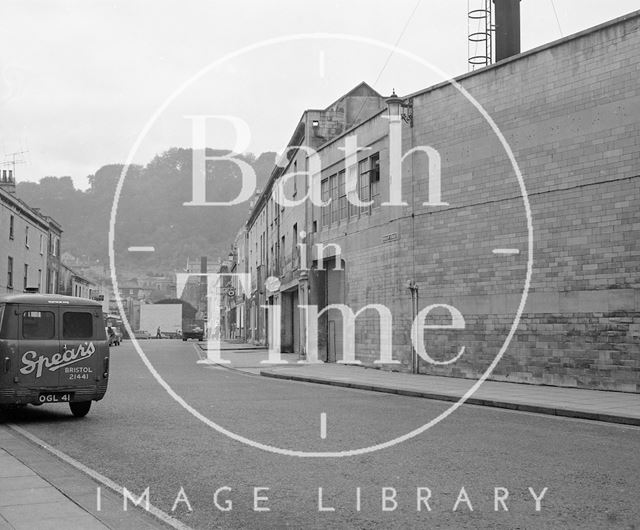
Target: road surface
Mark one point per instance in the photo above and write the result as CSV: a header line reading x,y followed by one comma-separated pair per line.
x,y
141,437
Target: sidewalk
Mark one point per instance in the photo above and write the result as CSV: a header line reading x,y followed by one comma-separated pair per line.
x,y
39,491
615,407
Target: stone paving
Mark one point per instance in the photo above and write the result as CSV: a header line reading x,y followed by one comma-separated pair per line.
x,y
38,491
617,407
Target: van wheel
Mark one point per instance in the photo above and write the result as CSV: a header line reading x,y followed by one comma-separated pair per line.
x,y
80,408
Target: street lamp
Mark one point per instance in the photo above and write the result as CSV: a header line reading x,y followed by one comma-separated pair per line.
x,y
395,105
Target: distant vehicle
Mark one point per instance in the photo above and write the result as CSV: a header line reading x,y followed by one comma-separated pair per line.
x,y
141,334
54,350
111,337
118,334
195,332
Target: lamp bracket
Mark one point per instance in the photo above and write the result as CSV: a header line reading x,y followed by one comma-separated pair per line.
x,y
408,115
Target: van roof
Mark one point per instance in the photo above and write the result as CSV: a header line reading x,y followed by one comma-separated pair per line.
x,y
57,299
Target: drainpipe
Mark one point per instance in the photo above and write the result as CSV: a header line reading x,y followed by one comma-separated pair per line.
x,y
413,288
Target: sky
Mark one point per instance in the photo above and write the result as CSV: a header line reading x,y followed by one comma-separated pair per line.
x,y
81,80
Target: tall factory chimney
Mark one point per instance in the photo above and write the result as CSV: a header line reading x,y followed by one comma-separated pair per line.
x,y
507,22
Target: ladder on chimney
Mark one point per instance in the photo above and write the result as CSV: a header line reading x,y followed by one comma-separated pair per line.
x,y
480,30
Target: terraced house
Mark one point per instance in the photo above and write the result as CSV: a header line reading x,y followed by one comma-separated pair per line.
x,y
29,244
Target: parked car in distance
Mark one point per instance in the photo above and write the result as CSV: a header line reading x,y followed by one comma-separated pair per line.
x,y
195,332
141,334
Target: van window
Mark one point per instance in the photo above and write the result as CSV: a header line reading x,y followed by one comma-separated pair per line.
x,y
77,325
38,325
1,313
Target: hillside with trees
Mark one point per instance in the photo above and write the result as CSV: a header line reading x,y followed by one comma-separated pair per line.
x,y
150,209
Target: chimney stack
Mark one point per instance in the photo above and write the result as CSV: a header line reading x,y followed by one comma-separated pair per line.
x,y
7,181
507,18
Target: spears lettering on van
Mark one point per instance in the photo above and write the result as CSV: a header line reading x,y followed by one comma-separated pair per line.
x,y
32,361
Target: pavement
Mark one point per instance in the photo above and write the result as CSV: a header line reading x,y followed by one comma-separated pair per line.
x,y
40,492
598,405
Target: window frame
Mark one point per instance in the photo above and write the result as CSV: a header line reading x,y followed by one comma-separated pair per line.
x,y
53,326
64,335
9,272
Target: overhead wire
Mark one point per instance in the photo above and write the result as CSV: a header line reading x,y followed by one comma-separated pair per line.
x,y
386,63
553,5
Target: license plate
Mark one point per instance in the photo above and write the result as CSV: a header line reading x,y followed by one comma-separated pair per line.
x,y
55,397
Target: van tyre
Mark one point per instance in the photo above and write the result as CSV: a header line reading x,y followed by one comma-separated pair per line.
x,y
80,408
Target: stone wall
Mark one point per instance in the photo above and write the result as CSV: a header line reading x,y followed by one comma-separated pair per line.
x,y
570,112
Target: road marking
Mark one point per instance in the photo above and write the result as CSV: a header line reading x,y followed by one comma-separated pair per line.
x,y
157,512
141,249
323,425
506,251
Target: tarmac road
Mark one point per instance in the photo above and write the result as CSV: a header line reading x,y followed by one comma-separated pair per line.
x,y
140,437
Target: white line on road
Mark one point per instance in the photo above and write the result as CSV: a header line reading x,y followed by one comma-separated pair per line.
x,y
506,251
157,512
323,425
141,249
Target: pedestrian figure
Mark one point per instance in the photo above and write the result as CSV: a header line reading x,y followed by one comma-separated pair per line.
x,y
158,334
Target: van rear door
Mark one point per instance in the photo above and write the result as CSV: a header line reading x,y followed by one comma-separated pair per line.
x,y
38,346
81,332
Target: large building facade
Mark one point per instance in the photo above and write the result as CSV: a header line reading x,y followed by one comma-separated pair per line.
x,y
26,254
497,213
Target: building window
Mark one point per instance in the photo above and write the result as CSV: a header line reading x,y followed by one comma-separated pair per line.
x,y
26,236
326,210
276,257
333,186
374,180
352,210
11,225
272,263
56,246
283,253
25,280
363,185
41,244
295,178
10,272
295,250
342,196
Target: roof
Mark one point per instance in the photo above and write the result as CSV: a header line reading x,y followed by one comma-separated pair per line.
x,y
53,299
361,89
